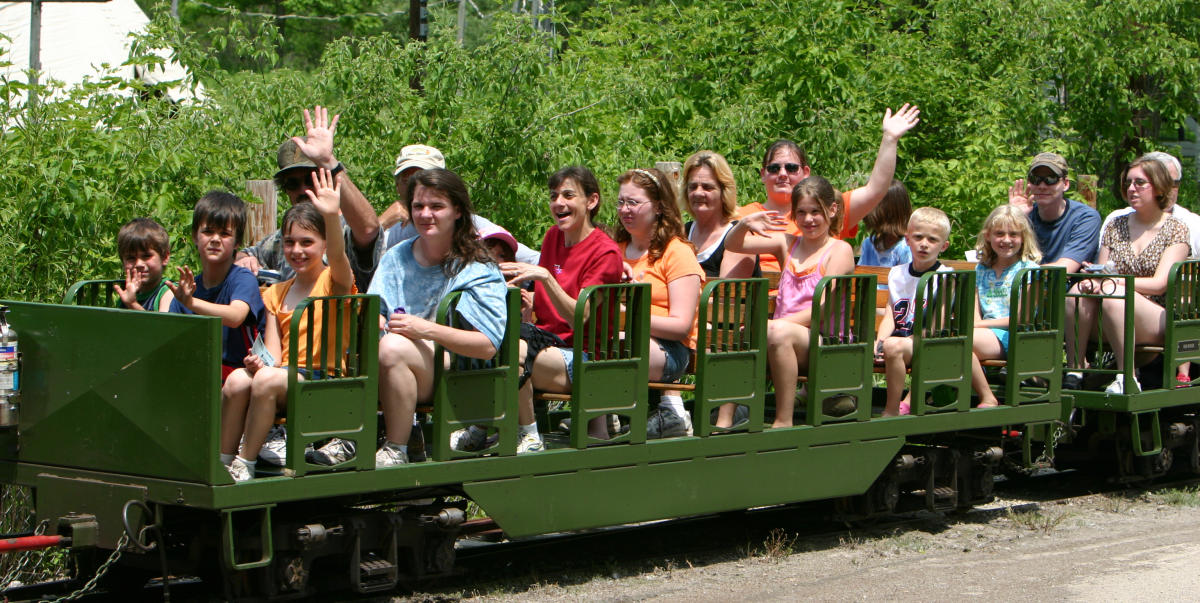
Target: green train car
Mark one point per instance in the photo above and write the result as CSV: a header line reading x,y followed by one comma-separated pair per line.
x,y
119,415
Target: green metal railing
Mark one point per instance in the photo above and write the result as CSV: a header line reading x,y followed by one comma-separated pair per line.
x,y
731,351
943,329
471,391
841,352
339,396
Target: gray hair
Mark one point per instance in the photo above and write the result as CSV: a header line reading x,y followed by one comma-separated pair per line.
x,y
1168,160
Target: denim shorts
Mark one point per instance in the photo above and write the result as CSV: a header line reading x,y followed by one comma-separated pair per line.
x,y
1002,335
678,356
309,374
568,356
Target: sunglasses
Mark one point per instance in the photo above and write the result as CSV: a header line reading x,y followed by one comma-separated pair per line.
x,y
791,168
1136,183
1051,179
295,183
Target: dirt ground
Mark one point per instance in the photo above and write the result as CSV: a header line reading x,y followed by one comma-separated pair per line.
x,y
1141,546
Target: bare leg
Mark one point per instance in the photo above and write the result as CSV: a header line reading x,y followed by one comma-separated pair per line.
x,y
525,414
787,353
1081,322
235,399
405,377
550,375
268,395
897,355
985,346
1149,324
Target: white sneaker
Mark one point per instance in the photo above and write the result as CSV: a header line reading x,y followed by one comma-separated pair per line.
x,y
274,450
387,456
240,471
470,439
1117,387
530,442
335,452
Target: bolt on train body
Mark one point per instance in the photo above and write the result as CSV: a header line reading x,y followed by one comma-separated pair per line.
x,y
115,430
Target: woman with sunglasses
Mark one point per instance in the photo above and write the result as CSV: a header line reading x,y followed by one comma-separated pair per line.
x,y
1145,244
785,165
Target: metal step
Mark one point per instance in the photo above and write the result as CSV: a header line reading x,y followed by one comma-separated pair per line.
x,y
375,575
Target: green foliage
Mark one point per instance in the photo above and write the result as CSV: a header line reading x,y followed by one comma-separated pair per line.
x,y
622,84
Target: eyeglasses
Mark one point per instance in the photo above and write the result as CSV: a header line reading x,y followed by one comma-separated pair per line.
x,y
791,168
1051,179
1136,183
631,203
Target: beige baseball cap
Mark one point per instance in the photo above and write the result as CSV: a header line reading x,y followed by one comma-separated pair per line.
x,y
419,156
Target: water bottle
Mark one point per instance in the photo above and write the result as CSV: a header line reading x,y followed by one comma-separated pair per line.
x,y
10,378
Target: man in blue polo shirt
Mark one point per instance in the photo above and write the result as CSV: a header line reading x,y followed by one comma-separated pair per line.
x,y
1067,231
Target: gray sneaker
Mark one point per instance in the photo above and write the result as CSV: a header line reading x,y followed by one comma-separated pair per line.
x,y
274,450
665,423
470,439
530,442
335,452
388,456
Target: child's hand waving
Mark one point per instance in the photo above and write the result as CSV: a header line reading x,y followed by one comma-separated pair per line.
x,y
326,195
186,287
128,295
763,223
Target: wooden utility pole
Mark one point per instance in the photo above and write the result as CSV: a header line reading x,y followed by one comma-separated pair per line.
x,y
462,20
418,20
418,30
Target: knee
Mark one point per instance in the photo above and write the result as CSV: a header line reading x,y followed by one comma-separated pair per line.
x,y
395,350
269,380
893,347
236,384
780,334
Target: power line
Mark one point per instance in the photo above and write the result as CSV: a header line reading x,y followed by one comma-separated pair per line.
x,y
230,9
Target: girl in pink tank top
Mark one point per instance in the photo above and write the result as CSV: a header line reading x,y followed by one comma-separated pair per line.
x,y
796,285
812,254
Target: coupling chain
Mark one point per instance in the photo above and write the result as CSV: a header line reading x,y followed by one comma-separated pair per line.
x,y
100,571
1046,459
26,557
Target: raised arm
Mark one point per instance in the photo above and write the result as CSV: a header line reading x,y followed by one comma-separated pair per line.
x,y
317,145
863,200
326,197
770,230
232,315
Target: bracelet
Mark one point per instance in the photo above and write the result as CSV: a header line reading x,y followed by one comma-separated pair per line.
x,y
339,168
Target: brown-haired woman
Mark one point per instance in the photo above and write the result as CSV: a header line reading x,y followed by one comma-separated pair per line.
x,y
412,278
1145,243
650,236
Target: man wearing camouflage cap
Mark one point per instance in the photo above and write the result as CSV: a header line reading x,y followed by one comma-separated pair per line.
x,y
1067,231
297,159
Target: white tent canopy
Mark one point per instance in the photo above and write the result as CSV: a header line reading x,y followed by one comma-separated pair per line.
x,y
78,40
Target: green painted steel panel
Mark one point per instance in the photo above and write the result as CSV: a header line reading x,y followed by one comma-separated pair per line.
x,y
58,496
119,391
538,504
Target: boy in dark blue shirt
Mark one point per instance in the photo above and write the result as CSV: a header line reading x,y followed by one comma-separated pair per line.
x,y
222,289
